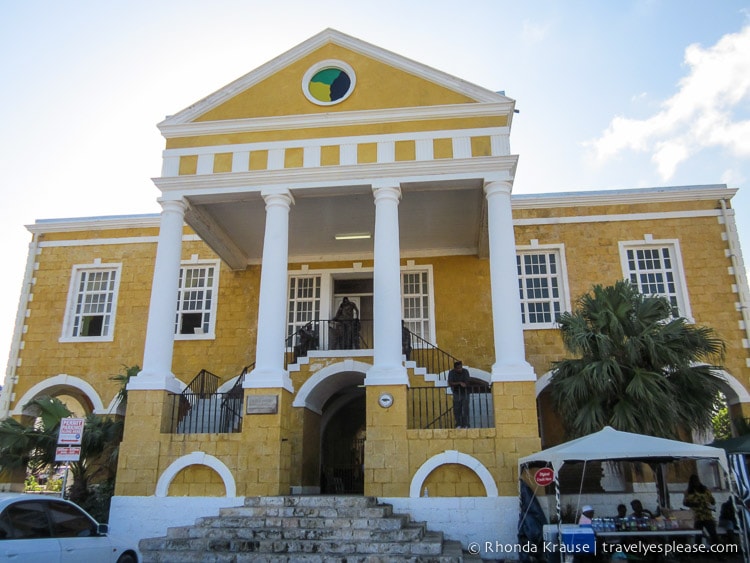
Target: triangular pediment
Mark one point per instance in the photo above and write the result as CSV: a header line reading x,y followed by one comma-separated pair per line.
x,y
381,80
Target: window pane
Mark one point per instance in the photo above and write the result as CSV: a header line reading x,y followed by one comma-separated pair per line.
x,y
195,299
28,520
69,522
538,286
652,272
94,303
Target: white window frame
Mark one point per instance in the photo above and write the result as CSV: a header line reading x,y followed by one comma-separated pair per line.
x,y
421,269
326,281
678,272
295,324
562,283
69,321
210,334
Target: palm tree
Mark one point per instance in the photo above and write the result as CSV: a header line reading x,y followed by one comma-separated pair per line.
x,y
636,368
32,445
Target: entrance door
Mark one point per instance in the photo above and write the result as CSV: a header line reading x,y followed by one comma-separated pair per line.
x,y
358,292
343,445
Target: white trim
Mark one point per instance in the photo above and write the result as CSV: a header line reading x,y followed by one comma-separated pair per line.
x,y
61,380
310,385
109,241
681,289
616,218
486,168
464,134
562,276
452,457
71,303
618,197
211,334
338,119
42,226
195,458
19,327
323,65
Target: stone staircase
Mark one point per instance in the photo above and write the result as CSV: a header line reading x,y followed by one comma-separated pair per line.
x,y
305,529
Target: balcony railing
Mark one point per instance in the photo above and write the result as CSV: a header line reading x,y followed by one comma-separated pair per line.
x,y
200,409
432,407
353,334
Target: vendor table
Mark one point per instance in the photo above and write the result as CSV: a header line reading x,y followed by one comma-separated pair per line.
x,y
649,533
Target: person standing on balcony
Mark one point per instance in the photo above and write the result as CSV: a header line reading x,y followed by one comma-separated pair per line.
x,y
458,380
405,341
348,328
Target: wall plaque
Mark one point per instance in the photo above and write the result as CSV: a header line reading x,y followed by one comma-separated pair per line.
x,y
262,404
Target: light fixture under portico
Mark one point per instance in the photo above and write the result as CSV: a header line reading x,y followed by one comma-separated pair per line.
x,y
352,236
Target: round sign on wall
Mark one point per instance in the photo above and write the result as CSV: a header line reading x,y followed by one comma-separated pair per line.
x,y
544,476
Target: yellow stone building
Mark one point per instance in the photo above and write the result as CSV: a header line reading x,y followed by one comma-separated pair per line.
x,y
341,171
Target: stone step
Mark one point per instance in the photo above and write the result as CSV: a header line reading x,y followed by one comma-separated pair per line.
x,y
313,500
430,544
301,529
393,522
409,532
203,557
377,511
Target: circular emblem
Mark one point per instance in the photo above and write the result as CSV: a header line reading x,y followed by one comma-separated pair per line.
x,y
385,400
544,476
328,82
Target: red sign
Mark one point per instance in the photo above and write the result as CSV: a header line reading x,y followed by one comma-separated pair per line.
x,y
544,476
66,453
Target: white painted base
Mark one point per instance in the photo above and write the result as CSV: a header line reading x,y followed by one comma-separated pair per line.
x,y
486,522
149,517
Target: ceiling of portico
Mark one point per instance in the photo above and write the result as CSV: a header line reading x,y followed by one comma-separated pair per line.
x,y
434,218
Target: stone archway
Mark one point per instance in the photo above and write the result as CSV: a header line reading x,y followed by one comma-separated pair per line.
x,y
333,430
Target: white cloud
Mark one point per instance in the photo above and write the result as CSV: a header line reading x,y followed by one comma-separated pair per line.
x,y
701,114
534,32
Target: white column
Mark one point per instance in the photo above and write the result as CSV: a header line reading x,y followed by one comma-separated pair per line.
x,y
157,355
388,368
510,355
269,369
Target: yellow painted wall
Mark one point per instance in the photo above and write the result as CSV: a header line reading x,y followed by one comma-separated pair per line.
x,y
197,481
454,480
379,86
275,452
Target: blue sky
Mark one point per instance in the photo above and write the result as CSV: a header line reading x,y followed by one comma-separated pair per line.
x,y
623,94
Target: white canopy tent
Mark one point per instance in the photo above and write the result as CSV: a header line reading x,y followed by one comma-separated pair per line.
x,y
613,445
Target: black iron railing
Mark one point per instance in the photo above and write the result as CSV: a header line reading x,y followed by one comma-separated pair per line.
x,y
433,408
354,334
427,355
200,409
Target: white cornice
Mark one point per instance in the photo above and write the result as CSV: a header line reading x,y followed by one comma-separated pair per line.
x,y
93,223
624,196
342,119
488,168
317,41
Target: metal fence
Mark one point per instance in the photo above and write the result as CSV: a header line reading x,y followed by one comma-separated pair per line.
x,y
200,413
432,408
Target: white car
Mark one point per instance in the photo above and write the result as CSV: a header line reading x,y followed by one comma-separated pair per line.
x,y
43,529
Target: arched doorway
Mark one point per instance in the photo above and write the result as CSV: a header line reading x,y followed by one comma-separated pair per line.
x,y
342,444
333,437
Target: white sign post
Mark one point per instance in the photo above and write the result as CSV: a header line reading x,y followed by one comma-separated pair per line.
x,y
69,444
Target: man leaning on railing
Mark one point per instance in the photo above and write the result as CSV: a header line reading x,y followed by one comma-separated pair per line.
x,y
459,380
